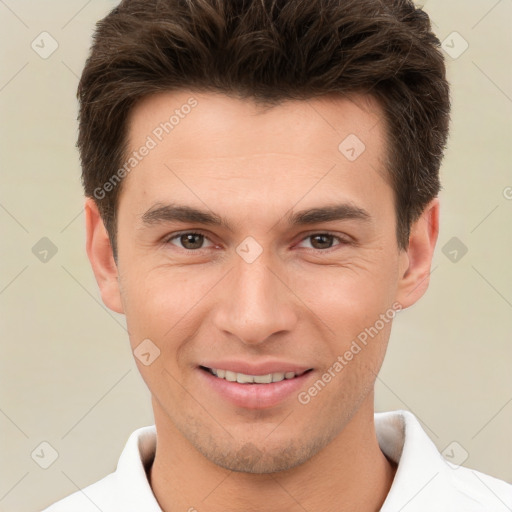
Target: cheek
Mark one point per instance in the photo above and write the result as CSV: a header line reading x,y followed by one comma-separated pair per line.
x,y
159,311
347,299
160,302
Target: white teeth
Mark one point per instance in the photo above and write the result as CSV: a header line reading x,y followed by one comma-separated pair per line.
x,y
231,376
278,377
243,378
264,379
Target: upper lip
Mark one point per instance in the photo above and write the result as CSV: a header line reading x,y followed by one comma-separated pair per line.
x,y
260,368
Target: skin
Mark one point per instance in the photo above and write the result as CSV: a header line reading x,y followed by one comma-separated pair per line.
x,y
299,301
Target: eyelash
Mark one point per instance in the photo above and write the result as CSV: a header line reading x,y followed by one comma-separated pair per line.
x,y
341,240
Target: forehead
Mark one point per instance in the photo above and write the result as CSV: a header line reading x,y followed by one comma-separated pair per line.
x,y
206,124
208,143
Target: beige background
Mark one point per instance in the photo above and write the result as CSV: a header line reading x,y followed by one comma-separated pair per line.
x,y
67,374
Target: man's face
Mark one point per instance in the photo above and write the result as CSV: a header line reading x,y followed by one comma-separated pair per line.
x,y
258,293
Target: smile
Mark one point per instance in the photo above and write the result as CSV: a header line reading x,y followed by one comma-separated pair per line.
x,y
255,389
243,378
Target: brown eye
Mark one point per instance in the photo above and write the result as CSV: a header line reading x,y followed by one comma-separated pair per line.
x,y
190,241
322,241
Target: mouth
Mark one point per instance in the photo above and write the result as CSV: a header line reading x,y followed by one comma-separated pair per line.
x,y
243,378
254,390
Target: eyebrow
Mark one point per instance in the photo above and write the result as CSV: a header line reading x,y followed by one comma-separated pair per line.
x,y
162,213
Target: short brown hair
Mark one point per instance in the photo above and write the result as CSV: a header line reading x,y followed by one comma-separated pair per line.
x,y
270,51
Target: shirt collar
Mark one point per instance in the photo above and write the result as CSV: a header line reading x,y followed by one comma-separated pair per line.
x,y
132,486
421,468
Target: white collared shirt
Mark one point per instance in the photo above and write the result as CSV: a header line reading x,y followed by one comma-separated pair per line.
x,y
424,480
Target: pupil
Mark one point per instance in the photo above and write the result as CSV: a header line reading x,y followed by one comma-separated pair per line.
x,y
324,237
187,239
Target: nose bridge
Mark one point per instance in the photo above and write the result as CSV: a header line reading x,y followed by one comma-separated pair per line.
x,y
257,303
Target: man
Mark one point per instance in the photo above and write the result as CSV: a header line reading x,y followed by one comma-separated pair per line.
x,y
261,181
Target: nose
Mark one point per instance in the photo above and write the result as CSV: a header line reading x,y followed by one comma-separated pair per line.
x,y
256,303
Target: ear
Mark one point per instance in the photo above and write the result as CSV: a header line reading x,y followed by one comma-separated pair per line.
x,y
101,257
417,258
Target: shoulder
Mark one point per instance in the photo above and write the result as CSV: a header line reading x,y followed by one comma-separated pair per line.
x,y
126,489
483,491
92,498
425,480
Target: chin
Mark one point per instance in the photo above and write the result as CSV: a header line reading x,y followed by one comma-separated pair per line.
x,y
259,457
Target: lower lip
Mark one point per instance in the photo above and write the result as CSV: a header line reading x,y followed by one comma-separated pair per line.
x,y
255,396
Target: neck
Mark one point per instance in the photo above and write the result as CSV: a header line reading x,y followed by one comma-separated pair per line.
x,y
350,473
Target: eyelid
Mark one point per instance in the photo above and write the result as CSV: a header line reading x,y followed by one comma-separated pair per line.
x,y
343,239
167,239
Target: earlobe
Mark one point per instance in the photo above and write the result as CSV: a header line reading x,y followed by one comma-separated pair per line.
x,y
415,274
99,251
